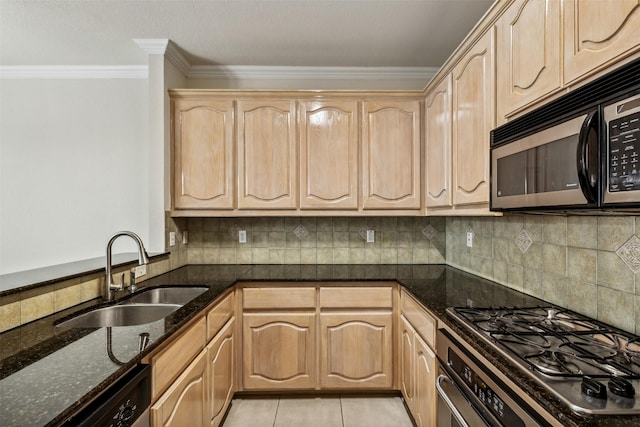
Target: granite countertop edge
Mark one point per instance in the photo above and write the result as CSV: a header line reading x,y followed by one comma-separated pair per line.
x,y
420,288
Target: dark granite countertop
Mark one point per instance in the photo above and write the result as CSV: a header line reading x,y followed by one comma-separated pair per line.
x,y
47,373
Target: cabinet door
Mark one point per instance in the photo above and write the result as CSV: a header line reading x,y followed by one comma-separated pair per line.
x,y
356,350
425,376
203,154
184,403
267,156
438,145
391,155
597,33
407,356
473,119
527,54
278,351
329,155
220,356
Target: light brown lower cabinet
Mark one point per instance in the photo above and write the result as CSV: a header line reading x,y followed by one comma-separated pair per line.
x,y
184,402
418,365
356,350
192,380
278,351
221,373
424,412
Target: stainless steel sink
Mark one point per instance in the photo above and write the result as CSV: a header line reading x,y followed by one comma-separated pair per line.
x,y
167,295
121,315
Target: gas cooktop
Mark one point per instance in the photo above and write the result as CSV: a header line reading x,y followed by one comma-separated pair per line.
x,y
592,367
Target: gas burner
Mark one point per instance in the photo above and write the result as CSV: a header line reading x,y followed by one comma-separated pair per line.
x,y
559,348
554,363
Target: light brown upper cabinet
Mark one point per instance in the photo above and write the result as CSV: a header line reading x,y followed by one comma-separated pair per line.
x,y
438,145
391,154
598,33
267,154
528,54
203,154
329,155
473,118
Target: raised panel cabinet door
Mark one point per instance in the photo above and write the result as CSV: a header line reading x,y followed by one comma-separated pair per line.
x,y
329,155
438,145
407,369
267,155
278,351
597,33
203,154
425,397
473,119
184,403
528,54
356,350
391,154
220,356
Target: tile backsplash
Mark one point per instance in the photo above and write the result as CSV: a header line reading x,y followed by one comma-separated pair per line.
x,y
316,240
583,263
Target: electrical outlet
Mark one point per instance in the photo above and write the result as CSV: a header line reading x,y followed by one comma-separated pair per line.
x,y
371,236
172,238
242,236
469,239
141,270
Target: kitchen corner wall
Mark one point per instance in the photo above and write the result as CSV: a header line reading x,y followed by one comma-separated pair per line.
x,y
316,240
583,263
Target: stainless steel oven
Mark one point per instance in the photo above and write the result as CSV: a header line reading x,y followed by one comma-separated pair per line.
x,y
470,395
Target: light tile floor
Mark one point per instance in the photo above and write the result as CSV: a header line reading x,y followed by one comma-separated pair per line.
x,y
339,411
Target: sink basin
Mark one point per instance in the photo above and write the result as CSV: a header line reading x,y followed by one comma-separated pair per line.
x,y
121,315
167,295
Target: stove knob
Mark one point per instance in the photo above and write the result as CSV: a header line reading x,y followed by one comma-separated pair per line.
x,y
621,387
593,388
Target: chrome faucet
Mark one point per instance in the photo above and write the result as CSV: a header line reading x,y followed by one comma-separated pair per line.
x,y
143,258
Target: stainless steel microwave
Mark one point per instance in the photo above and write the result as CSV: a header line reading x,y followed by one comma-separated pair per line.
x,y
580,152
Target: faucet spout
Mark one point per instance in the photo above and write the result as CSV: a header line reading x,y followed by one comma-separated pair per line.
x,y
143,258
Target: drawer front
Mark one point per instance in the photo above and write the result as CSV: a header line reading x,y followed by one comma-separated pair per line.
x,y
219,315
422,322
167,365
356,297
279,298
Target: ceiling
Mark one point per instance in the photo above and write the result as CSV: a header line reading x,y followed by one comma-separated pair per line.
x,y
313,33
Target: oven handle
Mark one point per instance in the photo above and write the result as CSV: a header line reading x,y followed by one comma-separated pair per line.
x,y
454,411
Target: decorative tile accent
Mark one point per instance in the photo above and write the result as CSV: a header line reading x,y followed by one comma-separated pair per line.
x,y
362,231
233,231
301,232
429,232
629,252
523,241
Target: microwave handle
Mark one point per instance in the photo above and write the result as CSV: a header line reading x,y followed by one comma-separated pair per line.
x,y
588,129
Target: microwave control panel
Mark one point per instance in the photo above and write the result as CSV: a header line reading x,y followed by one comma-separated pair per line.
x,y
623,147
624,153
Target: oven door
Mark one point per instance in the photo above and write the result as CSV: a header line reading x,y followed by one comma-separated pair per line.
x,y
554,168
454,410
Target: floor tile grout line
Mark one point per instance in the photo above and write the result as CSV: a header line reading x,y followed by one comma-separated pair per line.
x,y
275,417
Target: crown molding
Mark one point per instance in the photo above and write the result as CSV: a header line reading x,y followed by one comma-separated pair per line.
x,y
176,57
167,48
74,72
152,46
309,73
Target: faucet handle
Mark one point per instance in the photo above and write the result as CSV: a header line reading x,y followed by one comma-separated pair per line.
x,y
132,280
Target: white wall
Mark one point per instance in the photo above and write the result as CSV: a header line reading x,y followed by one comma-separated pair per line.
x,y
73,168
